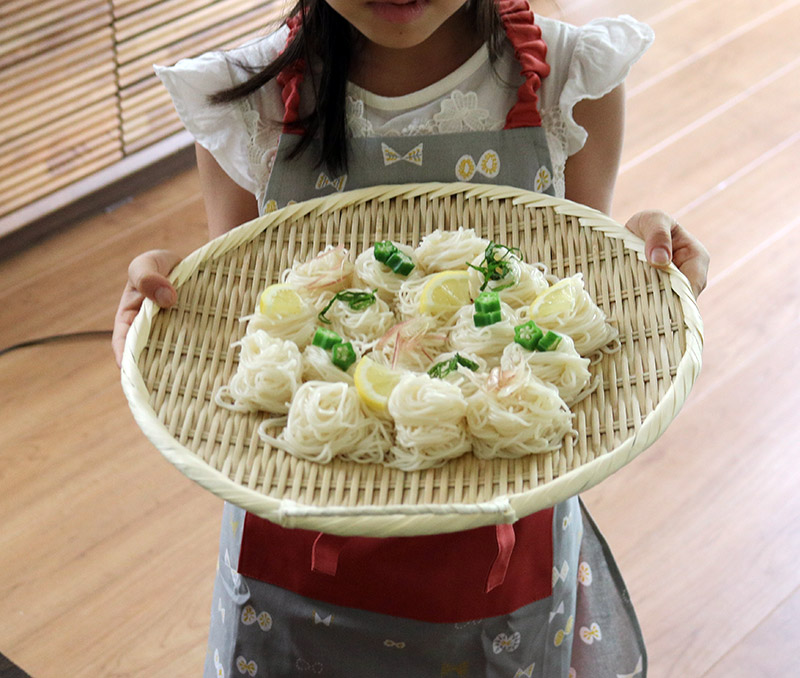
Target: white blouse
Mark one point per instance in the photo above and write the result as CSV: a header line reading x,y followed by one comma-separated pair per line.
x,y
586,62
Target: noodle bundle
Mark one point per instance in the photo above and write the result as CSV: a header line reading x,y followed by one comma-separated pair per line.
x,y
269,373
372,274
516,414
579,317
412,344
295,327
327,421
463,377
563,367
330,271
429,423
525,281
487,343
364,327
408,296
449,250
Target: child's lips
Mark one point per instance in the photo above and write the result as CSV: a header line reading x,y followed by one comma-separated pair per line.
x,y
398,12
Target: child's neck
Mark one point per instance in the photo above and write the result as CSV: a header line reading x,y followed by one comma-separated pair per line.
x,y
395,72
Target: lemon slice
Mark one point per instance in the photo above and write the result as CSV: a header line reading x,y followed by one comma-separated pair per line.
x,y
374,383
558,300
445,292
280,301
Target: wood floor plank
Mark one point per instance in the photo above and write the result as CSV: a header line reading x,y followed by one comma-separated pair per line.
x,y
754,204
710,151
749,308
769,650
69,243
90,302
136,531
711,82
581,11
693,507
681,43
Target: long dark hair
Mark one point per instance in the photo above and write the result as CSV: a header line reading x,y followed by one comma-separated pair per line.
x,y
324,37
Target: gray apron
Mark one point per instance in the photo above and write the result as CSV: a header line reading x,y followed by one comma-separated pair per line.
x,y
580,624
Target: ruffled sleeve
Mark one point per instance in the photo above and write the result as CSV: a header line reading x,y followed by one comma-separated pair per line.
x,y
227,131
602,53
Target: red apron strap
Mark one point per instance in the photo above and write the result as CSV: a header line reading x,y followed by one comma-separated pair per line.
x,y
325,553
530,50
506,538
289,80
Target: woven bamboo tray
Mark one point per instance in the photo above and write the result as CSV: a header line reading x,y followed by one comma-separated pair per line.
x,y
176,359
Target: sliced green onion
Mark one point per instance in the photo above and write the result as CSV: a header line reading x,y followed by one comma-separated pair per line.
x,y
400,262
466,362
528,335
343,355
358,301
441,369
549,342
486,319
494,268
383,249
487,302
326,339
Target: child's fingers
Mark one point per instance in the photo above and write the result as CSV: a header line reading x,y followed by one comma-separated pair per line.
x,y
696,271
665,241
655,228
148,275
691,258
128,307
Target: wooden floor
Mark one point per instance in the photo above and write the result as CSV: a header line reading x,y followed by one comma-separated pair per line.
x,y
107,554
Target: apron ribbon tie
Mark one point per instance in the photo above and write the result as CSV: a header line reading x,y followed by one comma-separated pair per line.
x,y
506,538
325,553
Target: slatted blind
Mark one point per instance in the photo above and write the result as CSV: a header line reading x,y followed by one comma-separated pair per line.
x,y
77,89
58,106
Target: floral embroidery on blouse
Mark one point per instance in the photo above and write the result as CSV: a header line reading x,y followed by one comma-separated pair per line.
x,y
419,127
460,112
356,120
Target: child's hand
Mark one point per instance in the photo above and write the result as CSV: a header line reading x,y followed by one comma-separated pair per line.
x,y
665,241
146,278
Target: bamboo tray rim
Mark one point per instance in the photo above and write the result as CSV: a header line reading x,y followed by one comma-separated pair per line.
x,y
424,518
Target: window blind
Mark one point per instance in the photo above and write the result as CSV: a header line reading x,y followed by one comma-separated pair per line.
x,y
77,89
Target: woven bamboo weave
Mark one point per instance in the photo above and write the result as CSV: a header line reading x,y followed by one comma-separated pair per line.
x,y
176,359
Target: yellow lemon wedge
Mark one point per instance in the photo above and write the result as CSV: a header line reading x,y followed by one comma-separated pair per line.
x,y
374,383
445,292
280,301
557,300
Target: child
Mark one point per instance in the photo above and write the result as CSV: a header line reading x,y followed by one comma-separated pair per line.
x,y
403,91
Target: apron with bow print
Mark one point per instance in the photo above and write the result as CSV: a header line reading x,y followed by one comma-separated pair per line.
x,y
541,598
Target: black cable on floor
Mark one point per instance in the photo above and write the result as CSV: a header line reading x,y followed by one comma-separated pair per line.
x,y
9,669
71,336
